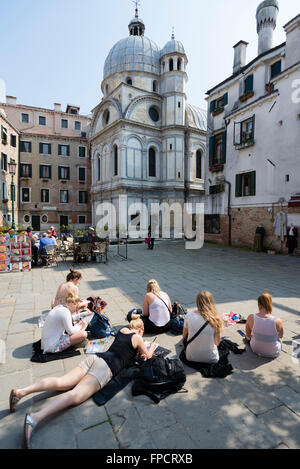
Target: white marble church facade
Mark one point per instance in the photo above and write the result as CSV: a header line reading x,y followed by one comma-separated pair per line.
x,y
146,141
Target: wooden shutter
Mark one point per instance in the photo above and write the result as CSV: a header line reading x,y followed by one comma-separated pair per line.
x,y
238,185
224,144
49,148
211,150
41,148
237,134
253,183
68,150
212,105
225,99
249,84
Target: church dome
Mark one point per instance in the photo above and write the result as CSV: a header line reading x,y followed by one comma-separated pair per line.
x,y
172,47
133,54
196,117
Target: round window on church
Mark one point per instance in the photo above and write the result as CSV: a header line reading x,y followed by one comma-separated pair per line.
x,y
106,116
154,114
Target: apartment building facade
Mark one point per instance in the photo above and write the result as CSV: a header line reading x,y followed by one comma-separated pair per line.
x,y
54,165
9,151
254,138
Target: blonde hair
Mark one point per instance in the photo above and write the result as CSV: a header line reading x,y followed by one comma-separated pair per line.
x,y
136,322
265,301
153,287
207,308
72,298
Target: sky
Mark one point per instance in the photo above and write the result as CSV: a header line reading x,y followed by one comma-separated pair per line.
x,y
53,51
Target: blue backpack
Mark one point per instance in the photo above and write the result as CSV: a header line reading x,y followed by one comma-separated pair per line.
x,y
177,324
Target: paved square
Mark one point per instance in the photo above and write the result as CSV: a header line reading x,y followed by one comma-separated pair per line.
x,y
255,407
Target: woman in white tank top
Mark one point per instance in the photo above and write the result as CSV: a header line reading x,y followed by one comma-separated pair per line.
x,y
156,309
263,330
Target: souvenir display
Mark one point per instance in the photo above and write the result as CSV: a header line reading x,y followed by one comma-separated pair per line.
x,y
20,258
4,254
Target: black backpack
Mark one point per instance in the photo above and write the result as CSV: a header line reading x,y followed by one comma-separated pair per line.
x,y
159,377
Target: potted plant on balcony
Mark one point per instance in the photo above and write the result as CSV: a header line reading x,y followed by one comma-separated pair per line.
x,y
216,167
5,201
218,111
246,96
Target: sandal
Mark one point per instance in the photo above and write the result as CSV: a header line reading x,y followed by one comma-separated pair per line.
x,y
13,400
27,422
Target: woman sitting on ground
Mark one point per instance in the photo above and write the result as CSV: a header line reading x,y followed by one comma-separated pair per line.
x,y
70,286
91,375
58,331
263,330
156,309
204,348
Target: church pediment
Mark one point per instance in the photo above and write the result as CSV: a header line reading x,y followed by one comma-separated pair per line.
x,y
106,114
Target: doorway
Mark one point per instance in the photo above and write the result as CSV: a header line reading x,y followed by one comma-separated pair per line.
x,y
36,222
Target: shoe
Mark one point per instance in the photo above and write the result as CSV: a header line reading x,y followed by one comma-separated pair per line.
x,y
28,422
13,401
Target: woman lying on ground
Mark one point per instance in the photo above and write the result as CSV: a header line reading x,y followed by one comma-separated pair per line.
x,y
204,348
58,331
87,378
263,330
156,309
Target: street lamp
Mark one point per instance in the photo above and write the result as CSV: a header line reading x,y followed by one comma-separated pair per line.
x,y
12,171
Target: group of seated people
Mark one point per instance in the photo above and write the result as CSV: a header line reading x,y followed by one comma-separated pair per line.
x,y
38,244
263,331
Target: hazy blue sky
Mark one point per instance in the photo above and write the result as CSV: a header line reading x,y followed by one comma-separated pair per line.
x,y
54,50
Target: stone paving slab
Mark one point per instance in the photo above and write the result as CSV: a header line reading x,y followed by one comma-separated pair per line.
x,y
255,407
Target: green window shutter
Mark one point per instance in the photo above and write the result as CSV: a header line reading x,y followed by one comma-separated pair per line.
x,y
41,148
224,144
211,150
238,185
249,84
212,105
59,149
225,99
49,146
253,183
68,150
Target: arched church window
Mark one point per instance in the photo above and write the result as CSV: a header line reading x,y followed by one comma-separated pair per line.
x,y
98,169
198,164
129,81
152,162
106,116
171,65
154,86
115,160
106,89
179,63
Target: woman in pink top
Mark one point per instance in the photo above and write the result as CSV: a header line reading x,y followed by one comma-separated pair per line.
x,y
263,330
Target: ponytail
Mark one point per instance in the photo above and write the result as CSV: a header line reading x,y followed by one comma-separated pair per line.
x,y
73,275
